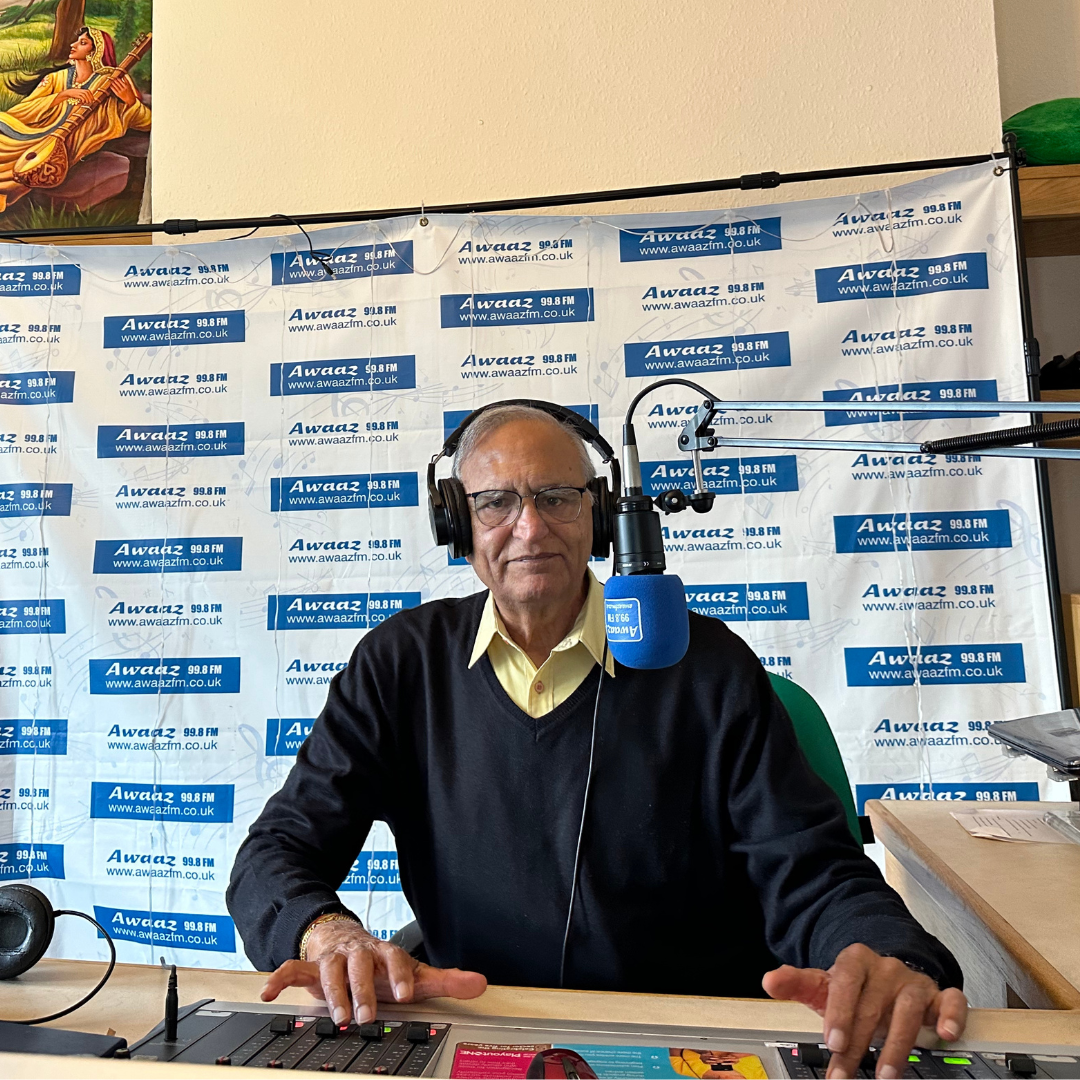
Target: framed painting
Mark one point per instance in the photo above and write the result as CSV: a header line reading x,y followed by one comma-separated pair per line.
x,y
75,112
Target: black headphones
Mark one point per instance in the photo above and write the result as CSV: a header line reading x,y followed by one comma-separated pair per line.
x,y
448,508
27,921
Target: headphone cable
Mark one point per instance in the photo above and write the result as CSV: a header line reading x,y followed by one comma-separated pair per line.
x,y
581,826
104,979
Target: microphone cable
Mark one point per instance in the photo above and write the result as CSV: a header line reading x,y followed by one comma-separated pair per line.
x,y
581,826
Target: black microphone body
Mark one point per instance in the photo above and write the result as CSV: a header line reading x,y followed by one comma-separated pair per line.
x,y
638,543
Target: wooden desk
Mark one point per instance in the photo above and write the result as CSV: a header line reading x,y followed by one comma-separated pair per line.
x,y
1010,913
132,1004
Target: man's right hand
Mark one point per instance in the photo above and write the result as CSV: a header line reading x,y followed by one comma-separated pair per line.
x,y
345,961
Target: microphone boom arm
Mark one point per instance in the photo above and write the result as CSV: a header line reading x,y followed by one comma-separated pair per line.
x,y
698,436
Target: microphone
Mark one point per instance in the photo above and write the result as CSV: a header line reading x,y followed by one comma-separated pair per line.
x,y
645,613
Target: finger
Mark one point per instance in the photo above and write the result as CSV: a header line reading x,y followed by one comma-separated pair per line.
x,y
950,1009
291,973
399,971
846,981
809,986
429,982
907,1017
362,983
332,975
872,1006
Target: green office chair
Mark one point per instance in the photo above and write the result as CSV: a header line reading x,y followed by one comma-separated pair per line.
x,y
817,742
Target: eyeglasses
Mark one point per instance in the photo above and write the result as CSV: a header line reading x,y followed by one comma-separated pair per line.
x,y
557,505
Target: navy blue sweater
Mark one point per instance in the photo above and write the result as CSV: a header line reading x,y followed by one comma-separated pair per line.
x,y
711,851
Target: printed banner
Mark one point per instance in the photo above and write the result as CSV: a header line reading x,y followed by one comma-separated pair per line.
x,y
211,488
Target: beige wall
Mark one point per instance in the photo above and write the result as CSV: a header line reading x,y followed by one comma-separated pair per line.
x,y
306,105
1038,45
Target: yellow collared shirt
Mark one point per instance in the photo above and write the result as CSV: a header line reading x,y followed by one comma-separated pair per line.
x,y
534,690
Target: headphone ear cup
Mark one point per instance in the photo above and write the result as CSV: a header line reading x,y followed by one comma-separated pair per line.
x,y
459,522
26,928
603,517
438,516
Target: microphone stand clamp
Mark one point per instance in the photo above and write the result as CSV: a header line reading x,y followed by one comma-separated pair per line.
x,y
698,435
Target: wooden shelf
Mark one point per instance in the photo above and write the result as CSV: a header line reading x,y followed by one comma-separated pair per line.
x,y
1050,206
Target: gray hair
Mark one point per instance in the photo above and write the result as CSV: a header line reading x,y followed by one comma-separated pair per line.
x,y
495,418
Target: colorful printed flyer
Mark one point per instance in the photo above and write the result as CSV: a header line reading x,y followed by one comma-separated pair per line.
x,y
487,1061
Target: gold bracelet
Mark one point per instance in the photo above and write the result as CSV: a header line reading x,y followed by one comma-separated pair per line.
x,y
334,916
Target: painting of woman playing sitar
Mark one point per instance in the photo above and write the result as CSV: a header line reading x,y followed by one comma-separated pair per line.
x,y
65,116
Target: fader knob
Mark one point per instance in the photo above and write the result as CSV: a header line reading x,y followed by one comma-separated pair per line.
x,y
1020,1064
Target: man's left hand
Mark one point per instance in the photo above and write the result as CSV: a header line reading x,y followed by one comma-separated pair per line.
x,y
863,995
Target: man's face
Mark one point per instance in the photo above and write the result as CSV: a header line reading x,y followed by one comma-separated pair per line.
x,y
532,561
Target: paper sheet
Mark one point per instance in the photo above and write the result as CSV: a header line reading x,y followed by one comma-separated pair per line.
x,y
1025,826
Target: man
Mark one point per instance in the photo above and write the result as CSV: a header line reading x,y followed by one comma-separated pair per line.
x,y
710,851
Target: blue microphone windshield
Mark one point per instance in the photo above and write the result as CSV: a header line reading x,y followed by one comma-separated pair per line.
x,y
646,619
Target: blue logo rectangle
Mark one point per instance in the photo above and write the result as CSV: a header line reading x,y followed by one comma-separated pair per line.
x,y
33,617
176,929
954,530
33,737
24,860
335,611
945,392
368,260
345,491
936,665
1021,791
343,376
768,601
693,241
453,417
731,353
166,675
187,328
180,555
514,308
37,387
373,871
35,500
284,735
193,803
64,279
622,619
902,277
729,476
170,440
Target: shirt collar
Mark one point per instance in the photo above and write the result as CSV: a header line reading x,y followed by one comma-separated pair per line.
x,y
588,628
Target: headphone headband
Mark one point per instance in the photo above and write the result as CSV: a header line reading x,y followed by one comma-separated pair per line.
x,y
558,412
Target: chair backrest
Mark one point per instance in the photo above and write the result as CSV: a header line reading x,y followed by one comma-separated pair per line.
x,y
817,742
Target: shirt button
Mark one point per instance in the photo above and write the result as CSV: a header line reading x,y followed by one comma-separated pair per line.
x,y
539,687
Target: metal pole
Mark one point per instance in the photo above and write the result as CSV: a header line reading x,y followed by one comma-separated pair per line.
x,y
747,182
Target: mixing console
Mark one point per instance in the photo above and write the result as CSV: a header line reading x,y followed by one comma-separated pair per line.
x,y
231,1034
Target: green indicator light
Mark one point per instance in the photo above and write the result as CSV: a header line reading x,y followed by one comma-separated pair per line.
x,y
914,1057
386,1030
957,1061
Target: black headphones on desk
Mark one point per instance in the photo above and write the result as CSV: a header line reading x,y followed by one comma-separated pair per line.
x,y
27,921
448,507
